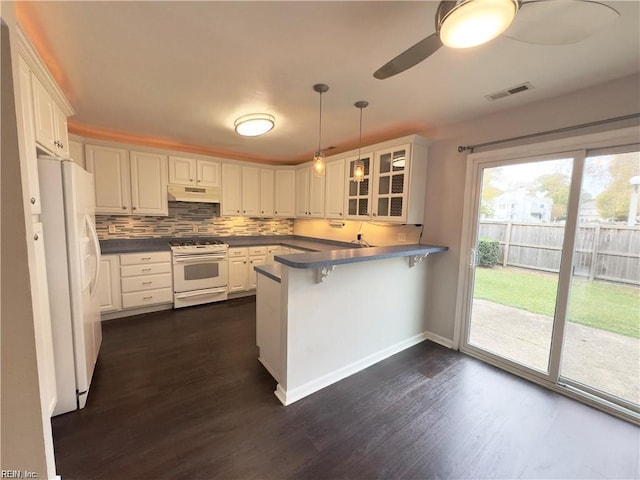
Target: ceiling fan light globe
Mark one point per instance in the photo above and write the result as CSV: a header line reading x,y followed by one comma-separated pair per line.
x,y
475,22
254,124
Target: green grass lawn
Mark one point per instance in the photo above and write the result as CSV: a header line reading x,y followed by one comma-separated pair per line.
x,y
603,305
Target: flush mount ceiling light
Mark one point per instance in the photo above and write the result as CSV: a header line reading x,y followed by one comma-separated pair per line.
x,y
254,124
318,157
469,23
358,165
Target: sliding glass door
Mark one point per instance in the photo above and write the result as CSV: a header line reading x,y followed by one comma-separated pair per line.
x,y
601,348
554,270
520,232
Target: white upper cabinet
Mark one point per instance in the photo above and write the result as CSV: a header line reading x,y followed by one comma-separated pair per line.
x,y
110,168
182,171
231,189
358,194
284,195
391,181
208,173
49,121
128,182
250,191
149,184
309,193
334,196
26,102
266,192
193,172
302,192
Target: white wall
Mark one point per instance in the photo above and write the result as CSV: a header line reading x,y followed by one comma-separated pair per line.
x,y
373,233
446,177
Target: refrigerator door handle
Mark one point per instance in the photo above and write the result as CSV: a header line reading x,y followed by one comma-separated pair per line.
x,y
96,246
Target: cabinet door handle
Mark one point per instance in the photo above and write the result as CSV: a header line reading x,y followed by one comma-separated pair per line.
x,y
147,298
147,283
276,211
146,269
124,208
191,179
145,258
35,236
33,201
237,211
134,208
61,145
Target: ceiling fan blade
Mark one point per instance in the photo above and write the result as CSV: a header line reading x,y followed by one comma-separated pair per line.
x,y
410,57
560,22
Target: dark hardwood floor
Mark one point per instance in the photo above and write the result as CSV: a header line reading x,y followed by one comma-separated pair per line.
x,y
181,395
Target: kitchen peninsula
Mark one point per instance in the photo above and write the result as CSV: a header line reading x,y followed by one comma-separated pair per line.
x,y
323,316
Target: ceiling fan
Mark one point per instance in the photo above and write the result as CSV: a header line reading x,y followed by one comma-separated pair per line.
x,y
468,23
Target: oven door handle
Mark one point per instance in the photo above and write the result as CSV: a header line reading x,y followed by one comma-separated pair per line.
x,y
200,293
199,257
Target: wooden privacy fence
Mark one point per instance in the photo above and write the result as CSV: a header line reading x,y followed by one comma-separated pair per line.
x,y
604,252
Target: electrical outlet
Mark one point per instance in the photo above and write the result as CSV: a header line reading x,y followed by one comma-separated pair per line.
x,y
112,229
195,228
402,237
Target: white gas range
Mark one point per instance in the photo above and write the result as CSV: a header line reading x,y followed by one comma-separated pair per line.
x,y
200,272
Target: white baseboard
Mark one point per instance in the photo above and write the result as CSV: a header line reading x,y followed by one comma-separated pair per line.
x,y
287,397
445,342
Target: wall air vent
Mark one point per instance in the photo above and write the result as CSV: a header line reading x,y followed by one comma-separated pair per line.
x,y
523,87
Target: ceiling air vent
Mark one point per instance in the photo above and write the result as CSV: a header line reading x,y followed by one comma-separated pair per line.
x,y
523,87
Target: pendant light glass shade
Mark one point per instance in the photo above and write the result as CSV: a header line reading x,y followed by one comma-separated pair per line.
x,y
358,165
318,163
254,124
318,157
474,22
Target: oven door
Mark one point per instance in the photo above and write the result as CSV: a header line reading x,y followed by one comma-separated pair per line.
x,y
199,271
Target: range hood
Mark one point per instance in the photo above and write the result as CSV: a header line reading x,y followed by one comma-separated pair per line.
x,y
182,193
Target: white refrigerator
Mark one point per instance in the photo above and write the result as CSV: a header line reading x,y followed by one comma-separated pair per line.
x,y
73,265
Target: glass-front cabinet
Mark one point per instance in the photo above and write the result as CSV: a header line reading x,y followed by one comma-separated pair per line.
x,y
359,193
391,177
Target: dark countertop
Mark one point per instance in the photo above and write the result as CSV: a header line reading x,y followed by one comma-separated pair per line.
x,y
355,255
136,245
274,272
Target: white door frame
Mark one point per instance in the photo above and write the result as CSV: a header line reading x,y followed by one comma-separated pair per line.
x,y
576,147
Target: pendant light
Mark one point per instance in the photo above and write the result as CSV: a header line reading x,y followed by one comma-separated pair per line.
x,y
318,157
358,165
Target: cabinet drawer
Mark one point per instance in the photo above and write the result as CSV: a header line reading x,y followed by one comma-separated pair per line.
x,y
257,250
150,269
148,297
145,257
146,282
238,252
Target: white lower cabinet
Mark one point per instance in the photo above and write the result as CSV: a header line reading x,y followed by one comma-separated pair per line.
x,y
109,284
238,269
242,276
134,281
140,285
42,325
257,256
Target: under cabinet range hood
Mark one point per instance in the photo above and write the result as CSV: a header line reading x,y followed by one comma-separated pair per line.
x,y
182,193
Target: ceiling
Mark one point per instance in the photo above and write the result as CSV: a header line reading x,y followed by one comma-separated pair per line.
x,y
179,73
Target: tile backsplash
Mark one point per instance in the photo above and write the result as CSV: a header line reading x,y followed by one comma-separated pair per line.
x,y
182,219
